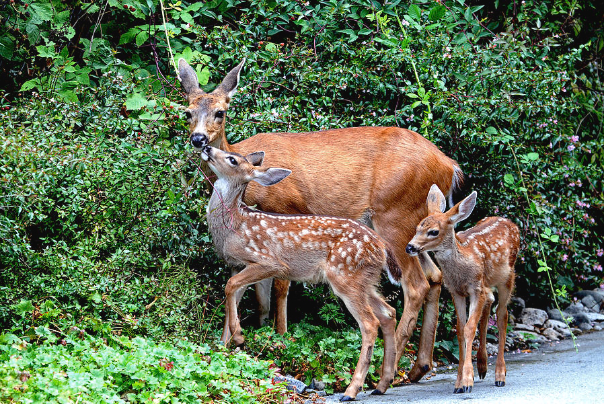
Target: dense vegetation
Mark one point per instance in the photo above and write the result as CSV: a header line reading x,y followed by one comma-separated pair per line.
x,y
104,251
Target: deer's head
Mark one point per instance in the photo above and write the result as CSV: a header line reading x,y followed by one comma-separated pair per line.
x,y
239,170
439,225
206,113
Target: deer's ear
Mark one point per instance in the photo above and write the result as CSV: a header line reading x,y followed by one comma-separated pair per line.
x,y
270,176
187,77
436,200
255,158
463,209
231,81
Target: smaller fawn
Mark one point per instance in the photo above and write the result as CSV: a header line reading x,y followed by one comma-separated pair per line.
x,y
472,262
341,252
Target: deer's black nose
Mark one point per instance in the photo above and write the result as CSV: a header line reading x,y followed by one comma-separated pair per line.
x,y
198,140
410,249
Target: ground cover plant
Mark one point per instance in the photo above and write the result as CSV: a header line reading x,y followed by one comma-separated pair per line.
x,y
102,204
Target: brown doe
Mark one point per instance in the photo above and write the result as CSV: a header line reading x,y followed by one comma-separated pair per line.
x,y
341,252
473,262
377,175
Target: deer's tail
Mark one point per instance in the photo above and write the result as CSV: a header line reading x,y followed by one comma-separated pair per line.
x,y
394,271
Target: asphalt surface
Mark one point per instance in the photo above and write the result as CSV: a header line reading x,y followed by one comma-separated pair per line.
x,y
553,373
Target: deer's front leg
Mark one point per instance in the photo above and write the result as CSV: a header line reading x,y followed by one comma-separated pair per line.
x,y
477,301
460,311
251,274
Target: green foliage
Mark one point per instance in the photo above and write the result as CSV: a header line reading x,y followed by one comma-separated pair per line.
x,y
102,204
313,352
78,367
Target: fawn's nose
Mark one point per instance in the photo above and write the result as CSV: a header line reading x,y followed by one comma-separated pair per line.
x,y
411,249
198,140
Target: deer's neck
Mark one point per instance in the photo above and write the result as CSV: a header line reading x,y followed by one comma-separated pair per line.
x,y
225,212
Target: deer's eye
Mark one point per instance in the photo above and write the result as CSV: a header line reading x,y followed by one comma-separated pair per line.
x,y
219,114
188,115
433,233
232,161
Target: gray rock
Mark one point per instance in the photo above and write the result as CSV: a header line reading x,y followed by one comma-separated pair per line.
x,y
597,295
492,349
585,326
533,337
580,318
554,314
576,307
597,328
292,383
534,317
524,327
559,326
516,306
594,317
316,385
551,334
590,303
576,331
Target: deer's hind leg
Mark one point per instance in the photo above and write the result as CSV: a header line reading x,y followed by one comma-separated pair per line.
x,y
481,357
357,303
387,318
504,293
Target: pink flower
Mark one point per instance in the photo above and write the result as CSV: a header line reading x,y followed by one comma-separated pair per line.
x,y
598,267
571,147
600,252
564,257
574,138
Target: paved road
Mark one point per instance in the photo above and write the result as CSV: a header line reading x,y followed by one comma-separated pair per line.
x,y
555,373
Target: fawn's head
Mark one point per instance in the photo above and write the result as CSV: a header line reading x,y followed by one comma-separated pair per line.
x,y
432,231
239,170
206,114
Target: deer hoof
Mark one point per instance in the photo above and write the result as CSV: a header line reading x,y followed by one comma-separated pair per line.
x,y
482,375
346,398
467,389
457,390
377,392
499,384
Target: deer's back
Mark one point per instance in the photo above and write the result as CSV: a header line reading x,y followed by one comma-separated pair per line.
x,y
345,172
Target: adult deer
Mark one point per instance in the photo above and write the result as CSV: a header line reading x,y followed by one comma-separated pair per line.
x,y
378,175
473,262
341,252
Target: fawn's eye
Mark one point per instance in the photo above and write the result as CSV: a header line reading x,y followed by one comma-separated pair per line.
x,y
188,115
433,233
219,114
232,161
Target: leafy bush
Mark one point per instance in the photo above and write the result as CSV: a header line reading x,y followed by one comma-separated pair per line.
x,y
79,367
102,203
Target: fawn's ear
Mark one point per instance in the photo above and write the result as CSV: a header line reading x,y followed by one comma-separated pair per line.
x,y
270,176
255,158
188,77
463,209
230,82
436,200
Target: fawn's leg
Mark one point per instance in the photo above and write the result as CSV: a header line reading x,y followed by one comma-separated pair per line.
x,y
281,291
263,297
481,361
504,294
387,318
460,311
477,299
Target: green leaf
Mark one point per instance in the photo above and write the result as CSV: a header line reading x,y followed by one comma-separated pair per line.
x,y
129,35
414,12
42,10
533,156
29,84
136,101
509,179
491,130
142,37
203,75
437,12
24,307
